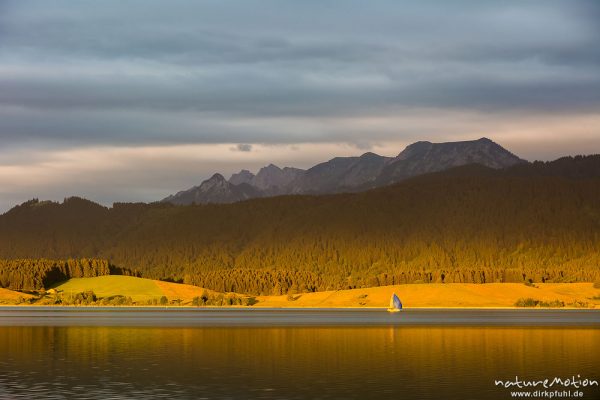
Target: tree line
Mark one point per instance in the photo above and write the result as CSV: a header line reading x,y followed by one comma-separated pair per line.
x,y
278,282
37,274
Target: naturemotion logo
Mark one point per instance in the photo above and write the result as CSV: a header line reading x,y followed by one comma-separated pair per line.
x,y
573,384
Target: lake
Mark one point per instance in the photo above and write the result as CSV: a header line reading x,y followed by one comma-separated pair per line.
x,y
290,354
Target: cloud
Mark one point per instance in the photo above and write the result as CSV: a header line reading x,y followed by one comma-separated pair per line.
x,y
285,74
243,147
309,61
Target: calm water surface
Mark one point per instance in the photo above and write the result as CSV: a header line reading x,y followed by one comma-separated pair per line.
x,y
265,354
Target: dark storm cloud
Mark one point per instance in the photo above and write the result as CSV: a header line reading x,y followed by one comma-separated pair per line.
x,y
273,59
257,76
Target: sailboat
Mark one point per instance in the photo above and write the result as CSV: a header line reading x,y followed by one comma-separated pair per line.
x,y
395,304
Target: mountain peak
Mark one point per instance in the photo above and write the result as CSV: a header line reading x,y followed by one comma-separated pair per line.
x,y
369,154
425,157
214,182
214,190
273,179
272,166
269,169
414,148
217,178
244,176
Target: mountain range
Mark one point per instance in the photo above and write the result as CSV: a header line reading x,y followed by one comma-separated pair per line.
x,y
347,174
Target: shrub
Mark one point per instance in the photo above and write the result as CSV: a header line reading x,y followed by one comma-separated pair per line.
x,y
204,297
219,300
236,301
250,301
528,302
553,304
117,300
579,304
85,298
176,301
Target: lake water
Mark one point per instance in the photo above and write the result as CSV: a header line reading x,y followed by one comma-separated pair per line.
x,y
290,354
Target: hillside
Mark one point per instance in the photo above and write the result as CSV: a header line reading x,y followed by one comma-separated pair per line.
x,y
121,290
125,290
141,291
539,222
8,297
449,295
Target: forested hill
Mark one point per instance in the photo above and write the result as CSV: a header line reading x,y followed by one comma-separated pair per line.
x,y
535,222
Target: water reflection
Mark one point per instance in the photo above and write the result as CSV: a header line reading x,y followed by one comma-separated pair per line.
x,y
270,363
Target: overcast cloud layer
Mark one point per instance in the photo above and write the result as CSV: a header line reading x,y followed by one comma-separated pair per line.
x,y
134,100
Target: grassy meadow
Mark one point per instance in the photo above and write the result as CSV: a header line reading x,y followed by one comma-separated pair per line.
x,y
140,291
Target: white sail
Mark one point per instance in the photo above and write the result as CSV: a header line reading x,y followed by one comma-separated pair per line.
x,y
395,303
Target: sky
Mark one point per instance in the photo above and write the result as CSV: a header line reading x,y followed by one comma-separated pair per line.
x,y
134,100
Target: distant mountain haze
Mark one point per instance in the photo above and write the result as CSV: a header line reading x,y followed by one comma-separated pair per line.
x,y
351,174
215,190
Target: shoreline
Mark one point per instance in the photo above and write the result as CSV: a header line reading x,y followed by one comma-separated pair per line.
x,y
145,293
132,317
268,308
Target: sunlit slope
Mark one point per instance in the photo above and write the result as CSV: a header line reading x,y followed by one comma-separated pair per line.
x,y
8,296
412,295
180,291
442,295
139,289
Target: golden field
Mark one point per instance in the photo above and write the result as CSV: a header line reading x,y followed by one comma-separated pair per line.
x,y
460,295
10,296
443,295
